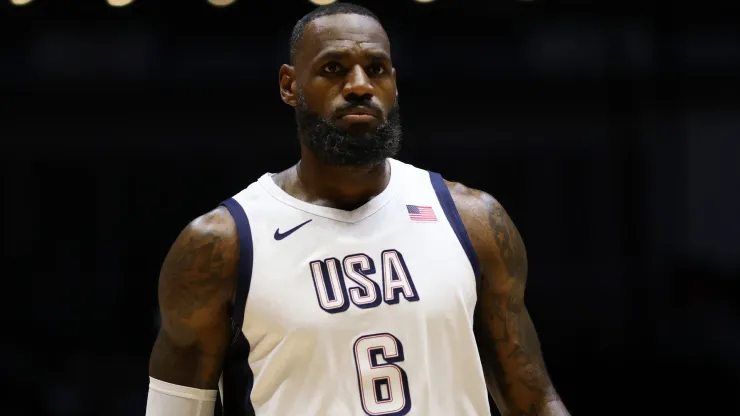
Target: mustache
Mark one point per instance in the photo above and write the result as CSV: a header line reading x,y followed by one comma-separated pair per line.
x,y
354,104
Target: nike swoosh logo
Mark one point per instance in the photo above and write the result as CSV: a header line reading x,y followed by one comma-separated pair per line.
x,y
279,236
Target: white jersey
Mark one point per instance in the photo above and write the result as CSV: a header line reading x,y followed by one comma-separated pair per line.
x,y
364,312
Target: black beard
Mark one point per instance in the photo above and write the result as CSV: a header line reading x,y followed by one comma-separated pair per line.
x,y
337,147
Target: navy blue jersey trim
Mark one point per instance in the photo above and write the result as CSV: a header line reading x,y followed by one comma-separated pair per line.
x,y
246,254
238,378
453,217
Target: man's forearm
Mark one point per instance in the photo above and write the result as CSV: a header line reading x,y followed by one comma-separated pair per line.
x,y
544,402
554,408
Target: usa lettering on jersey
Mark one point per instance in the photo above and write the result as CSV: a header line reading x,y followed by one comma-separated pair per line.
x,y
330,281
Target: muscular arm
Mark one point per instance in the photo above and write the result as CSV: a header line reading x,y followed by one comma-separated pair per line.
x,y
509,348
196,285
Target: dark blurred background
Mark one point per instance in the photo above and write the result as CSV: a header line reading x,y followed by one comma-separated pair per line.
x,y
611,132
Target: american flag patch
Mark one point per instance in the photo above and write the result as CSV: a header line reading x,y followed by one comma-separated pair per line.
x,y
421,214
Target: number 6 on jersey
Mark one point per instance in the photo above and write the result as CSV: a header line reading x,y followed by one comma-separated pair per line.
x,y
384,387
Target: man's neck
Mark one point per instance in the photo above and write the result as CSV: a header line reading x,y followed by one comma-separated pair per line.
x,y
340,186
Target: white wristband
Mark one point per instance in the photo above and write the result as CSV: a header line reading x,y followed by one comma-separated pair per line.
x,y
167,399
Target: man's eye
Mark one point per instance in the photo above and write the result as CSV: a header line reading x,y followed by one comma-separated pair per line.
x,y
332,68
376,70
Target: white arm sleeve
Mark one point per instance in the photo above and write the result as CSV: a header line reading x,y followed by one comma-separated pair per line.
x,y
166,399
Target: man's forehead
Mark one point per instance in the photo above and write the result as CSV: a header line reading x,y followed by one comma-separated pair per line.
x,y
344,30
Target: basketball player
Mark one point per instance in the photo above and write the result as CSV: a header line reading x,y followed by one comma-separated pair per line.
x,y
349,283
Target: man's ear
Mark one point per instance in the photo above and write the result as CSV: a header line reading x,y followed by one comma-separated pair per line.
x,y
288,85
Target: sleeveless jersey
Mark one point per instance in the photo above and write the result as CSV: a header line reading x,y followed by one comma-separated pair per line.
x,y
364,312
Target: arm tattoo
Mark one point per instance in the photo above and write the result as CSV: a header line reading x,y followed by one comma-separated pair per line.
x,y
507,341
196,285
200,259
520,368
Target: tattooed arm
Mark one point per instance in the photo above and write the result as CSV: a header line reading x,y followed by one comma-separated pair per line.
x,y
509,348
196,285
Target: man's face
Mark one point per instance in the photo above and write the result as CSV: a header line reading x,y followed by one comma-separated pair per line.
x,y
347,110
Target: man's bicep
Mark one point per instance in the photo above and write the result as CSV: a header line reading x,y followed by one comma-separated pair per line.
x,y
196,284
507,341
519,367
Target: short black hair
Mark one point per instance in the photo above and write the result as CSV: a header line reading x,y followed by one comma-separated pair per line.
x,y
329,10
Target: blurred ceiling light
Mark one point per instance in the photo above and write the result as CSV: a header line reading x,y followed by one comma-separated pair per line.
x,y
119,3
424,1
322,2
221,3
20,2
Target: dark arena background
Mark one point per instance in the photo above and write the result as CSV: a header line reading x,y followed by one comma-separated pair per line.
x,y
609,130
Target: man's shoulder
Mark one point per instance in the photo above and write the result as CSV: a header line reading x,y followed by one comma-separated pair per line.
x,y
204,257
473,204
208,239
217,223
481,215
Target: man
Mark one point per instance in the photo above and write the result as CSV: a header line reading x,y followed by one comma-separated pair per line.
x,y
347,284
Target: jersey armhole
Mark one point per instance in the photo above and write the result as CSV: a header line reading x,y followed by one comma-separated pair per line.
x,y
453,217
246,257
237,378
